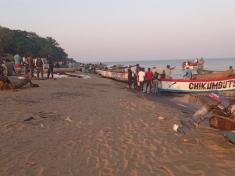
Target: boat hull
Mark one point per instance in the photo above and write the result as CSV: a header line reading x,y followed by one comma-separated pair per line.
x,y
63,70
190,86
222,123
215,75
203,71
119,76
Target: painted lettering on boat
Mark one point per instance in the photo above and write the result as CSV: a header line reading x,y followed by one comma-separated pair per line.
x,y
212,85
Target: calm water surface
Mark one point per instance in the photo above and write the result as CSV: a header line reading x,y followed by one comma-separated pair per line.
x,y
210,64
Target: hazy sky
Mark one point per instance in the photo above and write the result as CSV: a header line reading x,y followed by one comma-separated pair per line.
x,y
129,29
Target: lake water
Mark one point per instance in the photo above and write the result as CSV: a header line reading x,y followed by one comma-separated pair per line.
x,y
210,64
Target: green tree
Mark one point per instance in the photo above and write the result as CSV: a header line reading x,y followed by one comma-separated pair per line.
x,y
29,44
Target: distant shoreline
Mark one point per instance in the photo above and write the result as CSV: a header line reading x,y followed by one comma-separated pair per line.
x,y
155,60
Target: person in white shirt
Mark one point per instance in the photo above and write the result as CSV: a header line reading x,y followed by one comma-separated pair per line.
x,y
168,71
141,76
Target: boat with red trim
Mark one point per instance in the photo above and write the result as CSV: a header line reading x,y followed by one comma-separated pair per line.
x,y
199,85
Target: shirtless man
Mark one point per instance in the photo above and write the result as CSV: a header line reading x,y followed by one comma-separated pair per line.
x,y
4,81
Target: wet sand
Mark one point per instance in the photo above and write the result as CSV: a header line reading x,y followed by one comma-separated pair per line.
x,y
99,127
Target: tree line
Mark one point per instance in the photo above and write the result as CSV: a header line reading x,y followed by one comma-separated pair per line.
x,y
29,44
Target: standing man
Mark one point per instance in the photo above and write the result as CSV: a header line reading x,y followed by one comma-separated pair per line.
x,y
149,79
135,79
168,71
25,65
141,76
4,81
31,67
188,73
231,68
155,82
129,77
18,61
50,67
10,68
39,67
4,68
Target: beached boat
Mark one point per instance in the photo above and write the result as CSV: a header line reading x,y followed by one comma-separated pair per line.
x,y
116,75
199,85
193,64
225,124
215,75
64,70
203,71
76,75
180,85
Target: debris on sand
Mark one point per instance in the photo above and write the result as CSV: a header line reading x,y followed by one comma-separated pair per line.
x,y
175,127
29,119
31,163
185,140
68,119
161,118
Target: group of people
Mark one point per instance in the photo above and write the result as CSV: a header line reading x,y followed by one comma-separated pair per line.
x,y
199,63
140,79
29,65
7,67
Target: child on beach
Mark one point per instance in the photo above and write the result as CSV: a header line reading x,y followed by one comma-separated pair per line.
x,y
163,75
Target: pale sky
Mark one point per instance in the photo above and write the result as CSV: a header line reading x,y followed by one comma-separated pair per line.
x,y
114,30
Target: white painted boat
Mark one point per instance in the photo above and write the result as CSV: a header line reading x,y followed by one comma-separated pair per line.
x,y
187,86
193,64
180,85
119,76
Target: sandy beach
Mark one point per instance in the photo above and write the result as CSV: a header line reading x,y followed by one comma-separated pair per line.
x,y
89,127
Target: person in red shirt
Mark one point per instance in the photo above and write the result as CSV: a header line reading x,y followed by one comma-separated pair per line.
x,y
149,80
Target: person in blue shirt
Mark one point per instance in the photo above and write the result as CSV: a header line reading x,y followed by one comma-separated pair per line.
x,y
188,73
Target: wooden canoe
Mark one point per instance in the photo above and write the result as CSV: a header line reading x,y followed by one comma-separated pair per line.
x,y
222,123
203,71
214,75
